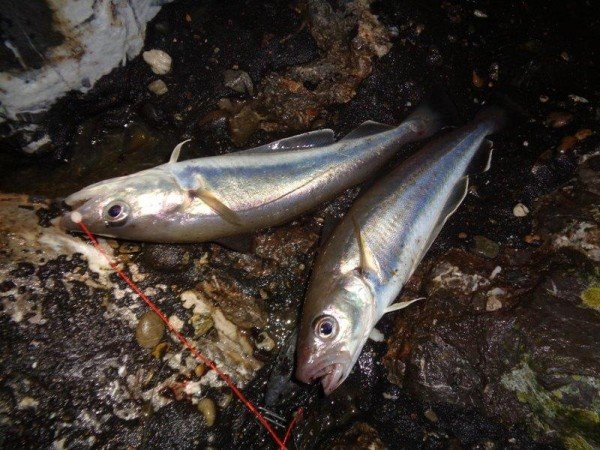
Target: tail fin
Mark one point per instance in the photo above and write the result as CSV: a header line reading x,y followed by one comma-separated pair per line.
x,y
504,110
494,117
436,112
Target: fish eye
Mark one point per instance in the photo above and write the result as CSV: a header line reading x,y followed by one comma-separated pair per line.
x,y
115,213
326,327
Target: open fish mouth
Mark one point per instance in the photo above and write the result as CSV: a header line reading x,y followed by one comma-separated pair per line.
x,y
331,376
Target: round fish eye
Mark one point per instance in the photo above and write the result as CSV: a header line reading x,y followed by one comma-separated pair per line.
x,y
326,327
115,213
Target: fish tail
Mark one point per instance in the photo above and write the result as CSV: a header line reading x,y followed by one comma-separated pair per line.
x,y
436,112
494,118
503,110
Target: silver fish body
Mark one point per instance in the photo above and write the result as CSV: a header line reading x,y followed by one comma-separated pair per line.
x,y
378,245
208,198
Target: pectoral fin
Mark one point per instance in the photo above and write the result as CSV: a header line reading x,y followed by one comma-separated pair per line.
x,y
368,262
312,139
401,305
217,205
176,151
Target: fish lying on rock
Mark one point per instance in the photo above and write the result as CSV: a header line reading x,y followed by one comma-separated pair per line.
x,y
379,243
206,199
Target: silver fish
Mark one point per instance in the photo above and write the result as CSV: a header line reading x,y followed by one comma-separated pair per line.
x,y
379,243
210,198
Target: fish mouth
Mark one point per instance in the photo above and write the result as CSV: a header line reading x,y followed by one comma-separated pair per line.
x,y
331,376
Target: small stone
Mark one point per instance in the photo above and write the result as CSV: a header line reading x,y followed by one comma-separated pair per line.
x,y
200,370
544,98
520,210
565,56
531,238
158,60
567,143
265,342
583,134
158,87
150,330
238,81
208,409
485,247
160,350
494,71
558,119
176,322
578,99
478,81
493,304
479,13
591,297
431,415
202,324
462,235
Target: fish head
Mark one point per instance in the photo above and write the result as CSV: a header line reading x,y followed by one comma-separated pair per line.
x,y
334,328
128,207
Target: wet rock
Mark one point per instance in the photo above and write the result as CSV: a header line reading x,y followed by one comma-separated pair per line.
x,y
293,99
167,258
591,297
208,409
158,60
238,81
520,210
359,436
559,119
150,330
485,247
158,87
178,422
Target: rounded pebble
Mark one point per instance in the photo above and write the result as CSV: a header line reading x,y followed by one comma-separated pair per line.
x,y
150,330
208,409
159,61
158,87
520,210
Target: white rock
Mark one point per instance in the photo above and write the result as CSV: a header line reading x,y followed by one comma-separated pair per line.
x,y
520,210
159,61
99,36
158,87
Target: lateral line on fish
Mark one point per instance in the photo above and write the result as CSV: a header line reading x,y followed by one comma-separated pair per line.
x,y
281,443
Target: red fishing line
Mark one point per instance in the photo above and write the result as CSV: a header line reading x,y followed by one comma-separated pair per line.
x,y
199,356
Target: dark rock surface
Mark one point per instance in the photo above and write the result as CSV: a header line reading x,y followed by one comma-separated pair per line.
x,y
503,352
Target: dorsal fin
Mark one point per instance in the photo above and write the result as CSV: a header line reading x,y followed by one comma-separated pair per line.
x,y
312,139
177,151
368,264
367,128
483,159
